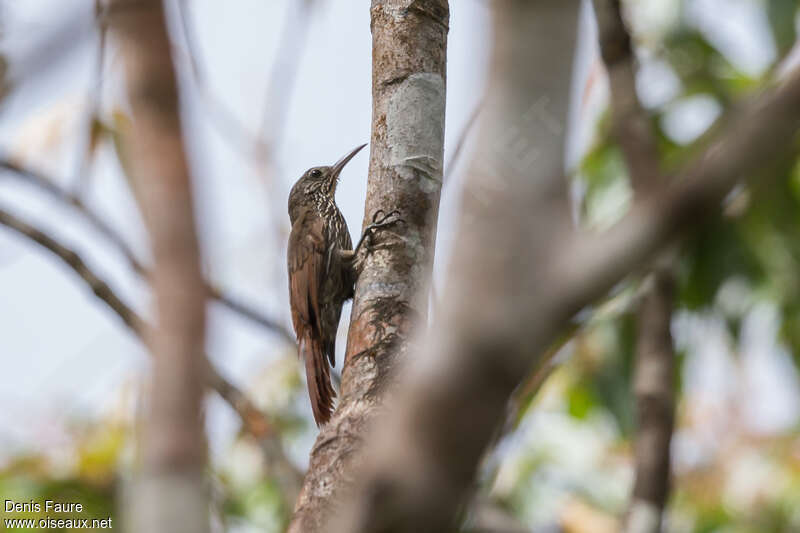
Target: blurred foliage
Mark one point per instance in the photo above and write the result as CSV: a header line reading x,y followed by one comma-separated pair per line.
x,y
86,474
96,457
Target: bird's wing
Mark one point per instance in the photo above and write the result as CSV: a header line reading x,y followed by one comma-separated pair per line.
x,y
306,255
306,262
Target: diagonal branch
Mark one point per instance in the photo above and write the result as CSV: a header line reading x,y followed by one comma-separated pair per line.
x,y
72,259
254,421
49,186
291,45
760,130
232,129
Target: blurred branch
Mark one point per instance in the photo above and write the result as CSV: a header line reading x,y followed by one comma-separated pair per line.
x,y
487,516
653,380
233,130
290,49
255,422
611,306
446,179
86,147
462,140
528,388
653,384
50,186
292,44
72,259
168,494
630,122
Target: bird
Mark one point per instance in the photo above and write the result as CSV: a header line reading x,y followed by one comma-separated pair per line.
x,y
323,270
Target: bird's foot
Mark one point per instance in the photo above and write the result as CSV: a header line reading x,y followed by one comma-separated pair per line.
x,y
380,219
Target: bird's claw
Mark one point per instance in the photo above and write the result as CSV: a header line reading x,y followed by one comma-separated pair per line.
x,y
380,219
380,216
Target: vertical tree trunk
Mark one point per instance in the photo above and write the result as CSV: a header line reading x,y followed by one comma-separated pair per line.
x,y
422,458
169,495
409,42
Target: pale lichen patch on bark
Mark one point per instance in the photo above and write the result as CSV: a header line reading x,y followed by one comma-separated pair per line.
x,y
415,128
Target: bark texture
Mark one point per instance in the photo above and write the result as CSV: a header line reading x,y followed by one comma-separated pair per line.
x,y
169,495
409,41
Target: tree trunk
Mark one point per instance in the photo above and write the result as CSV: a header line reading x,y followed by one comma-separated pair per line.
x,y
169,495
409,40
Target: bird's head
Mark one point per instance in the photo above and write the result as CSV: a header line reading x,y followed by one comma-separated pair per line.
x,y
317,181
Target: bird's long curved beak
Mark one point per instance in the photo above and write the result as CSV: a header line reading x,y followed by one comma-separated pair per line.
x,y
337,168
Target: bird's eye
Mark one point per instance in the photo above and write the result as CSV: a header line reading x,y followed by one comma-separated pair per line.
x,y
316,173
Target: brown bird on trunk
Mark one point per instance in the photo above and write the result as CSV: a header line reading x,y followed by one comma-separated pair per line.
x,y
322,274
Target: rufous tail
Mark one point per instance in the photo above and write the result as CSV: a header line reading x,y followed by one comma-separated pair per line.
x,y
318,377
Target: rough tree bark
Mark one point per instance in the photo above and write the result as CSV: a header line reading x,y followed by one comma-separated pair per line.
x,y
520,272
409,40
654,379
169,495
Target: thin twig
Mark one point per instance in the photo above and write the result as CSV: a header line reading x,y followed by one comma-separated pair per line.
x,y
292,43
233,130
82,175
50,186
462,140
260,146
